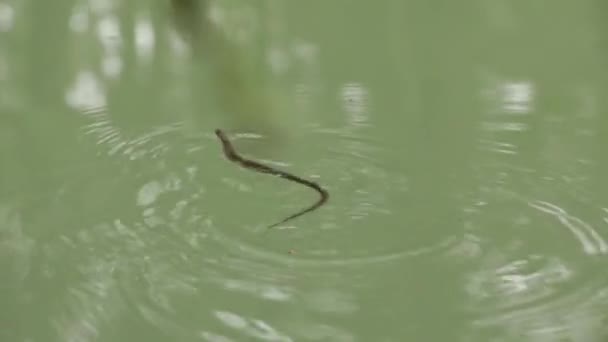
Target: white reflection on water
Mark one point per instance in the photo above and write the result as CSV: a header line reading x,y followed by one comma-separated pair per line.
x,y
517,97
7,15
15,246
144,38
86,92
577,317
252,327
498,146
92,301
258,289
355,102
591,241
507,103
505,126
79,20
108,33
509,97
518,281
148,193
109,136
546,294
213,337
530,299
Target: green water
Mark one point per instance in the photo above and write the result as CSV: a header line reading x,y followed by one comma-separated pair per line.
x,y
461,143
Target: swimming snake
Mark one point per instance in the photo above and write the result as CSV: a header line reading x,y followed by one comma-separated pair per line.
x,y
231,154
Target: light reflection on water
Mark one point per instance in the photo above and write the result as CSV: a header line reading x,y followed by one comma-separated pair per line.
x,y
538,280
151,233
535,288
173,255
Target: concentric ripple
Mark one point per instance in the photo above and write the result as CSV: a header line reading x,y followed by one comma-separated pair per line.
x,y
357,225
541,278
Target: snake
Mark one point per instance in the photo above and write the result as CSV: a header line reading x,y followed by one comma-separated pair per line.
x,y
231,154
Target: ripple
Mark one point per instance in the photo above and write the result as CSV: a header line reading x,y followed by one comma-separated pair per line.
x,y
187,249
588,237
364,190
251,327
575,316
534,275
339,259
113,142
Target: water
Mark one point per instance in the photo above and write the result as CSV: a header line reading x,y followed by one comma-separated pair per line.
x,y
462,146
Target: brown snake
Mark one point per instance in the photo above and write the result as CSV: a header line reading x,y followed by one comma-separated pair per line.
x,y
231,154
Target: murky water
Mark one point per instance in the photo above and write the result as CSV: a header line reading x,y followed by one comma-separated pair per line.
x,y
462,146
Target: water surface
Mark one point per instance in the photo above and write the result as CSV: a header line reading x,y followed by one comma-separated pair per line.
x,y
462,145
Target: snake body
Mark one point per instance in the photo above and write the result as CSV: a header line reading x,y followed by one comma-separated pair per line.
x,y
233,156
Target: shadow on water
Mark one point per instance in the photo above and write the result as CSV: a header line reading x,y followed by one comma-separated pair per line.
x,y
222,43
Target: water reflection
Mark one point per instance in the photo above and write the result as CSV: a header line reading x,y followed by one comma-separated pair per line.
x,y
251,327
537,279
87,93
588,237
537,296
355,100
7,16
17,247
120,220
144,38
